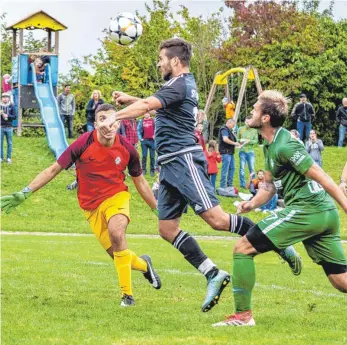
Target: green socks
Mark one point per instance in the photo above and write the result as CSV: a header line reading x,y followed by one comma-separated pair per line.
x,y
243,281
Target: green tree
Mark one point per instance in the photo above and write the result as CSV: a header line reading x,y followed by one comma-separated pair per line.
x,y
6,47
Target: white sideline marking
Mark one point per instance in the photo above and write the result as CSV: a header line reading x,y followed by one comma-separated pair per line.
x,y
67,234
262,286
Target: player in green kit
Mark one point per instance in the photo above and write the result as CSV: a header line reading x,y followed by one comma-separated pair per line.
x,y
310,215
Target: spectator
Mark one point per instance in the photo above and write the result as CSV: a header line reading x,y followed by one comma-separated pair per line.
x,y
343,181
203,119
66,105
128,129
7,116
39,70
199,135
227,143
229,108
93,104
248,137
145,132
213,158
254,185
315,147
6,85
303,113
295,134
341,117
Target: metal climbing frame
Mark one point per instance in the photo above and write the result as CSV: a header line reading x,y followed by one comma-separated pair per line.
x,y
222,79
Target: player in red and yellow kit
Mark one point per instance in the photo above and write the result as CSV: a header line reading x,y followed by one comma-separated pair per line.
x,y
100,163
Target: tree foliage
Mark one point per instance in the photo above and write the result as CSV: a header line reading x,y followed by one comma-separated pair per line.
x,y
295,50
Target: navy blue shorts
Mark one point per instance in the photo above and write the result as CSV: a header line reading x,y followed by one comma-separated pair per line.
x,y
184,181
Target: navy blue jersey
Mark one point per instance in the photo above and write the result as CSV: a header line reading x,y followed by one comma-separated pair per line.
x,y
175,122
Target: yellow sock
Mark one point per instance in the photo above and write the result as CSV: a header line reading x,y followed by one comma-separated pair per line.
x,y
122,262
137,263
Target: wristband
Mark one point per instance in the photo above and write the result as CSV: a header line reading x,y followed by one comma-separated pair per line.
x,y
27,192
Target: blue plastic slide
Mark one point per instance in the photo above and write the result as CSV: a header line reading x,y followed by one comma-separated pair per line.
x,y
55,131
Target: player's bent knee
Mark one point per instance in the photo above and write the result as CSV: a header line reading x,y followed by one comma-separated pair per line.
x,y
243,246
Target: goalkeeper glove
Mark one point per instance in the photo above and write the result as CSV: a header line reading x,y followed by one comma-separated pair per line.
x,y
9,202
155,211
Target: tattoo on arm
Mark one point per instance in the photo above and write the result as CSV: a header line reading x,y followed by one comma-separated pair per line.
x,y
269,187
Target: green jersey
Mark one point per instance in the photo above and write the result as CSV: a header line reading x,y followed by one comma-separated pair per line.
x,y
288,161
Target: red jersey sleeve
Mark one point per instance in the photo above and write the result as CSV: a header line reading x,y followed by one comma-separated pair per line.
x,y
218,157
134,166
75,150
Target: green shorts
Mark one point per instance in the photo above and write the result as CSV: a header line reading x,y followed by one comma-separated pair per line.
x,y
320,233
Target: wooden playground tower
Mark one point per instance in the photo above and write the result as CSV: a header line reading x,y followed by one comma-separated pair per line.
x,y
249,73
23,93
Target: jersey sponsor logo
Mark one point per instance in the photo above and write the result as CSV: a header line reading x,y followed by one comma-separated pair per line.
x,y
314,187
297,158
117,160
197,208
278,184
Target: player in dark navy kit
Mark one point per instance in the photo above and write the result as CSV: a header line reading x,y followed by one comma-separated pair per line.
x,y
183,177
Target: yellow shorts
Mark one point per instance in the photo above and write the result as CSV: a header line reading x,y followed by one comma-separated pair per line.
x,y
98,218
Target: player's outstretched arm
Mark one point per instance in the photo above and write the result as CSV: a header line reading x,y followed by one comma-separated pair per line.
x,y
317,174
9,202
266,191
139,108
145,191
122,98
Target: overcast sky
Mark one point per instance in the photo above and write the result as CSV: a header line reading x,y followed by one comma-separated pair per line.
x,y
86,19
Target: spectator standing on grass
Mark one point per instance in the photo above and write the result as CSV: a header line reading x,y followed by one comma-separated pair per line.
x,y
341,117
247,137
67,108
200,136
145,132
128,129
303,113
213,158
227,144
315,147
202,118
93,104
7,115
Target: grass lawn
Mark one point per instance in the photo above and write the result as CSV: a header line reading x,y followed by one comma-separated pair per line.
x,y
54,209
63,290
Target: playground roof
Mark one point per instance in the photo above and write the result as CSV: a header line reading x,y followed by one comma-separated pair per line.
x,y
38,20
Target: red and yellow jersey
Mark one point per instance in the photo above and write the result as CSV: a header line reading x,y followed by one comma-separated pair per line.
x,y
100,169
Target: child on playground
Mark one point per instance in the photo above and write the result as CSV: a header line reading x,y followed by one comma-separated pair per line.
x,y
213,158
39,70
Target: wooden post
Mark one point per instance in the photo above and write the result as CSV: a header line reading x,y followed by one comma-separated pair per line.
x,y
49,40
257,81
14,42
241,94
20,117
56,42
21,38
210,99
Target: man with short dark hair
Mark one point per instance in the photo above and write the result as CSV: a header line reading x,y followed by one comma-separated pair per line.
x,y
100,161
227,142
183,176
303,113
310,215
67,108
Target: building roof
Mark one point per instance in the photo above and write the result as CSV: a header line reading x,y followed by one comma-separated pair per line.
x,y
38,20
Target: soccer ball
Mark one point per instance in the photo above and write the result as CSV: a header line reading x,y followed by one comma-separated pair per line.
x,y
125,28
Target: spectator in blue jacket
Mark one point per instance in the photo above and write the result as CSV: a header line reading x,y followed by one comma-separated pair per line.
x,y
145,132
8,114
94,102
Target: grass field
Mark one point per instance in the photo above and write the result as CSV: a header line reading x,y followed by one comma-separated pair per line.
x,y
63,289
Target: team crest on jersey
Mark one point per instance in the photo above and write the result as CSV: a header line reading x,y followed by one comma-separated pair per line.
x,y
117,160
